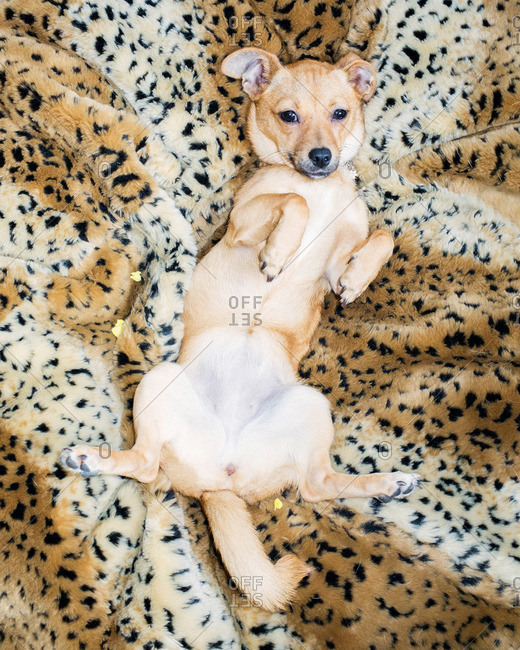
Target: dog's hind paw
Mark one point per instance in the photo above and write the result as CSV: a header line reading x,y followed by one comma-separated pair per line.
x,y
75,459
400,486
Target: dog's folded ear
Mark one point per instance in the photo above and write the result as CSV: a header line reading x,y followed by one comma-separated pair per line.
x,y
361,74
254,66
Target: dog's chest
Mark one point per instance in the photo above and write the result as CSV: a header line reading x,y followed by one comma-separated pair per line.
x,y
332,208
321,215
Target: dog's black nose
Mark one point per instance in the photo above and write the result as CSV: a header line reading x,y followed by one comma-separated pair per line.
x,y
320,157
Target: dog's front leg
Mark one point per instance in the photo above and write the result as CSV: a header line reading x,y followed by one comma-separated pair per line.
x,y
349,278
286,238
277,219
251,222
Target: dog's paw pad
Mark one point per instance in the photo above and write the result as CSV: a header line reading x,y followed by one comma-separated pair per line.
x,y
403,485
78,463
271,271
406,485
67,460
348,294
84,468
270,266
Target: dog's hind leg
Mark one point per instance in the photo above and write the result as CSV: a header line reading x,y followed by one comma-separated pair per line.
x,y
317,480
322,483
154,402
140,462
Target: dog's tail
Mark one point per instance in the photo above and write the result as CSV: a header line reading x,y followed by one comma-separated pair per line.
x,y
268,585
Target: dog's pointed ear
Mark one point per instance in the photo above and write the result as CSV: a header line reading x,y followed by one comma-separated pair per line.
x,y
254,66
361,74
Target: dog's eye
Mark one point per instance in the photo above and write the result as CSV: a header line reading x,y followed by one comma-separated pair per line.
x,y
339,114
288,116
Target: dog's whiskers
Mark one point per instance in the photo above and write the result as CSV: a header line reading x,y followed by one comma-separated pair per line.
x,y
282,153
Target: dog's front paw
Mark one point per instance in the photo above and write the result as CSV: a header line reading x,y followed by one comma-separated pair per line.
x,y
399,485
269,266
351,284
348,294
80,460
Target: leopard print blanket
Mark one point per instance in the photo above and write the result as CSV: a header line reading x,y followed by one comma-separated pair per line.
x,y
121,147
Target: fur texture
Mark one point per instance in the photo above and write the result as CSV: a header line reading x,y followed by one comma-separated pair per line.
x,y
421,373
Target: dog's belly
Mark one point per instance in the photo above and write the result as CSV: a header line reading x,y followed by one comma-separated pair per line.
x,y
235,377
229,438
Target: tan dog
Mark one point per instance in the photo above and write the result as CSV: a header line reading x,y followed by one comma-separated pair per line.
x,y
231,422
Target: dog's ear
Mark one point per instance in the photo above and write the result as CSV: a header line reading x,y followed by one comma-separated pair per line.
x,y
360,74
254,66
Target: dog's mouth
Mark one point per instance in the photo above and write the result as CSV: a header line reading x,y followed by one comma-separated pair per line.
x,y
317,174
312,171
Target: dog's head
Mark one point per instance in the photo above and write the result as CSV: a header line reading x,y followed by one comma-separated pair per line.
x,y
307,115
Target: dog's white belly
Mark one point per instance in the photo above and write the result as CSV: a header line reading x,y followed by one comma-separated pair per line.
x,y
234,377
235,389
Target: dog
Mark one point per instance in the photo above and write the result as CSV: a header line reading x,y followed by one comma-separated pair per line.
x,y
231,422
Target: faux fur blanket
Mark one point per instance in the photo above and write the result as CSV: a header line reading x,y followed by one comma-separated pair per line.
x,y
117,130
